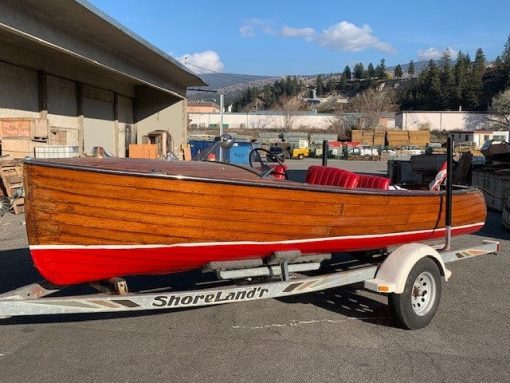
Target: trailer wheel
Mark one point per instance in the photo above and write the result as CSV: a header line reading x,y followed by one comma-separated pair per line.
x,y
416,306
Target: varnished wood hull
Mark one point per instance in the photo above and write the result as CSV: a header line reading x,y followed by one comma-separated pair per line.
x,y
94,220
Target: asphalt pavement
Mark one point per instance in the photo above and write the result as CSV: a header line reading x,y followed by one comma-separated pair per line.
x,y
340,335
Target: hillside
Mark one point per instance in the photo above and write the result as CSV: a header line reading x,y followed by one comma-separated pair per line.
x,y
230,84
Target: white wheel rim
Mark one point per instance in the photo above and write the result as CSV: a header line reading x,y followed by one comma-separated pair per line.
x,y
423,294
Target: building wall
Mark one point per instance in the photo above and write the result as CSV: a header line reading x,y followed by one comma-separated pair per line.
x,y
270,121
52,103
258,121
205,107
62,111
98,113
155,110
480,137
441,120
462,136
18,92
126,129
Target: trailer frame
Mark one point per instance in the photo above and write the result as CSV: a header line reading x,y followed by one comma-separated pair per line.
x,y
36,299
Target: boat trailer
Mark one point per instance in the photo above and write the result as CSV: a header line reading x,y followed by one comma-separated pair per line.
x,y
411,275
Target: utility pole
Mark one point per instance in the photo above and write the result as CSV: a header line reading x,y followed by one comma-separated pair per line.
x,y
221,124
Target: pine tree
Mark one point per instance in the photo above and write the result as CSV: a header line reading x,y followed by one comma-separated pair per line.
x,y
460,74
370,71
398,71
330,85
319,85
342,83
347,73
480,62
410,68
447,81
505,56
359,71
497,78
380,71
429,85
474,94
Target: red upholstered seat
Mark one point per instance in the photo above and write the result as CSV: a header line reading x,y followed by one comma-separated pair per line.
x,y
373,182
323,175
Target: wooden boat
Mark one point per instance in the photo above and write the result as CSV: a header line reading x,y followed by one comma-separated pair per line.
x,y
91,219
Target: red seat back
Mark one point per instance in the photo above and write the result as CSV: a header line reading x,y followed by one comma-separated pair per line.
x,y
373,182
323,175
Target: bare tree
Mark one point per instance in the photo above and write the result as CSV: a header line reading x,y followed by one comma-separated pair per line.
x,y
499,112
372,105
343,122
290,107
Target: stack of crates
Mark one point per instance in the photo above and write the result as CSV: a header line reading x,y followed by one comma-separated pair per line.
x,y
419,138
379,138
366,137
397,138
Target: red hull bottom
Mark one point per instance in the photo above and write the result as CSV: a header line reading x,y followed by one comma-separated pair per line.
x,y
69,264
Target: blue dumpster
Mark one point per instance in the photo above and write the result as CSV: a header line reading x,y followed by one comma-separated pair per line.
x,y
239,153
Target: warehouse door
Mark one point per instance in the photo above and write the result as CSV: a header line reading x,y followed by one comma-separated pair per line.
x,y
98,123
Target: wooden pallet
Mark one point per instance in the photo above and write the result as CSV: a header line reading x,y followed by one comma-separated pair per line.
x,y
11,174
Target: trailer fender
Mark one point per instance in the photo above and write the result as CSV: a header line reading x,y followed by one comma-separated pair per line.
x,y
392,274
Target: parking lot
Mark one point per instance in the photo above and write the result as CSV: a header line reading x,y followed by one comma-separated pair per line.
x,y
340,335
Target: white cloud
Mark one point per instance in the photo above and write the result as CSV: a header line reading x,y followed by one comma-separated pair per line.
x,y
202,62
435,54
250,27
247,31
346,36
306,33
343,36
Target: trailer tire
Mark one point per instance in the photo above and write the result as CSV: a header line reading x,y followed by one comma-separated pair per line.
x,y
416,306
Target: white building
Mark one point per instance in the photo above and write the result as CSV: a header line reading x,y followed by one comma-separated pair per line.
x,y
479,137
414,120
306,120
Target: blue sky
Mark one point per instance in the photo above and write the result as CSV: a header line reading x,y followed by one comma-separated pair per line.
x,y
282,37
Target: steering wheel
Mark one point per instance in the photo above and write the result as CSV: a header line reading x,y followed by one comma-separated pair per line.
x,y
266,169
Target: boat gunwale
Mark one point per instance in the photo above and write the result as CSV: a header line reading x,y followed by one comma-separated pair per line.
x,y
265,183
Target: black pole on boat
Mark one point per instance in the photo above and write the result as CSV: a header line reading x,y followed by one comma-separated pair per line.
x,y
325,148
449,181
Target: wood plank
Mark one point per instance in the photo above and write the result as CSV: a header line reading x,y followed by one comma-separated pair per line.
x,y
126,220
179,210
218,200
